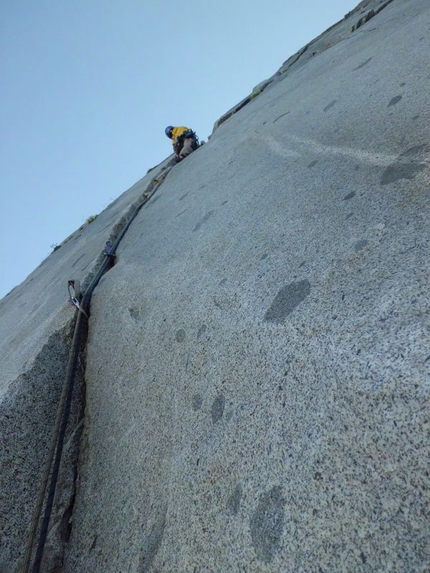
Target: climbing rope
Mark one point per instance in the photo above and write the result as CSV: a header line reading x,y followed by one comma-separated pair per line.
x,y
82,302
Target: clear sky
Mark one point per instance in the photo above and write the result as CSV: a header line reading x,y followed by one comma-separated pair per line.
x,y
88,86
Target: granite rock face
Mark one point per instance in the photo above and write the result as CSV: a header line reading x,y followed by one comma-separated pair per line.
x,y
36,328
258,363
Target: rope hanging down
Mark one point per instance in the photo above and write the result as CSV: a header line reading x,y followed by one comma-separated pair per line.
x,y
82,302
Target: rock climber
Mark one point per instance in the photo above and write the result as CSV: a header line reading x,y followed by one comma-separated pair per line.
x,y
184,140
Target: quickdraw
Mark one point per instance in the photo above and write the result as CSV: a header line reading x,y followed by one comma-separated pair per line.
x,y
76,296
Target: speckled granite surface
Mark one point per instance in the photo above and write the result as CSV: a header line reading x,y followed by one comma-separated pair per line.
x,y
258,360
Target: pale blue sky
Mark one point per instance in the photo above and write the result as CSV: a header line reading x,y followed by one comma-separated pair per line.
x,y
88,86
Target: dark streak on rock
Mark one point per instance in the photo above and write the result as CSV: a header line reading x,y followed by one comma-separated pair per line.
x,y
233,502
349,196
394,100
202,330
151,543
217,409
360,245
180,335
287,299
77,260
279,116
134,313
407,166
362,64
197,402
152,201
203,220
313,163
267,524
330,105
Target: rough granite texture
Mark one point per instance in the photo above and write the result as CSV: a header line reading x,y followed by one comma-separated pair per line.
x,y
258,359
36,327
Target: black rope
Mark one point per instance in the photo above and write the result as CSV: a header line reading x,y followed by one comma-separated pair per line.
x,y
63,411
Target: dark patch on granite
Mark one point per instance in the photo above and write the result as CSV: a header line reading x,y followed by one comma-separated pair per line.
x,y
94,543
203,220
407,166
264,257
151,543
217,409
134,312
416,150
287,299
415,117
312,163
201,330
267,524
349,216
349,196
282,115
197,402
77,260
152,201
184,195
224,202
360,245
222,282
27,416
105,227
330,105
394,100
363,64
181,213
180,335
402,84
233,502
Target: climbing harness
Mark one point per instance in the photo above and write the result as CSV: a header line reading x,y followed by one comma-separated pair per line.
x,y
82,303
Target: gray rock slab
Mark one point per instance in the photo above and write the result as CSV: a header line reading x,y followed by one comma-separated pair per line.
x,y
258,359
258,362
36,321
352,21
